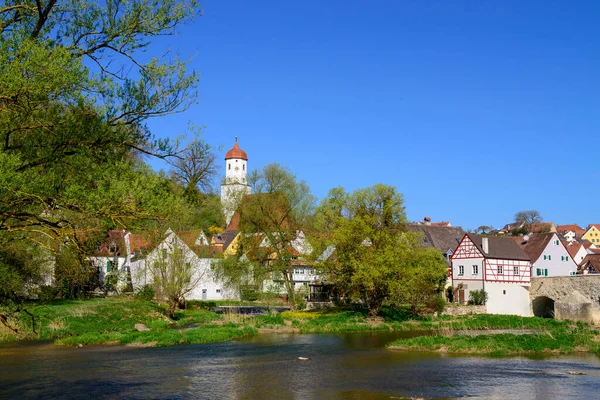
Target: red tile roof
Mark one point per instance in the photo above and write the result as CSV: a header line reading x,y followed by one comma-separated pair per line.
x,y
579,231
573,248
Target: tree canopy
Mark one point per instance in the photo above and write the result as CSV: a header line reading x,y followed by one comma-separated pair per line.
x,y
271,219
376,258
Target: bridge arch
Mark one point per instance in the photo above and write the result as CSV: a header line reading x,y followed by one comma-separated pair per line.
x,y
543,307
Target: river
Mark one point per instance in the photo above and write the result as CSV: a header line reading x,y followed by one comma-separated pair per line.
x,y
348,366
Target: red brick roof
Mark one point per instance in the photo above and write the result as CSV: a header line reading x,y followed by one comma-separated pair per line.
x,y
236,152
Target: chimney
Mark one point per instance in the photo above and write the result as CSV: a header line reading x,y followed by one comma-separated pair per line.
x,y
485,246
427,221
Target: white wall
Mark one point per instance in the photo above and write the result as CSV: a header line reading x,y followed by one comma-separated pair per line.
x,y
558,262
141,272
508,298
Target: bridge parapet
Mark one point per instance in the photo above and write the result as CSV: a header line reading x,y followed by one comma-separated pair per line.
x,y
574,297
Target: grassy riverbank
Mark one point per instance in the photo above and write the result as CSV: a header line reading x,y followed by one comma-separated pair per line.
x,y
112,321
467,335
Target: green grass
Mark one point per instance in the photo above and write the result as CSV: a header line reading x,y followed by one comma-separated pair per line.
x,y
552,336
112,321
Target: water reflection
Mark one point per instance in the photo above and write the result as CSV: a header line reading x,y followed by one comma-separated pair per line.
x,y
339,367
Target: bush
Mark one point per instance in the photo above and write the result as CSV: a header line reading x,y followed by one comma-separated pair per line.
x,y
146,293
435,304
250,295
478,297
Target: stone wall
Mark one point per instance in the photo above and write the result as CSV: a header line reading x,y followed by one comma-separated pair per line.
x,y
464,310
575,297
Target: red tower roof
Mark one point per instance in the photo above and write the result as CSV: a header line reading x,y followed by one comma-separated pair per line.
x,y
236,152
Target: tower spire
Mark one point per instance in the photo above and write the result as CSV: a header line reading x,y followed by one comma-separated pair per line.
x,y
236,139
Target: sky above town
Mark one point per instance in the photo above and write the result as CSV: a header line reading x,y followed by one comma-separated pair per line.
x,y
474,110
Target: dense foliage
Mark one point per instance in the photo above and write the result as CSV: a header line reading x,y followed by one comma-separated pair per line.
x,y
375,258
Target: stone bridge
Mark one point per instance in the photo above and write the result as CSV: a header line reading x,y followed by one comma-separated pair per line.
x,y
574,297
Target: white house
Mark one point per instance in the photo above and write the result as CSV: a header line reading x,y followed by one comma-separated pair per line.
x,y
549,256
498,266
197,253
118,253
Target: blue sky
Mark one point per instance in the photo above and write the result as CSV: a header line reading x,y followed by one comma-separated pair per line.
x,y
474,110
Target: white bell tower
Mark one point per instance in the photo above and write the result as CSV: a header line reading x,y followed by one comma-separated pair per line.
x,y
235,185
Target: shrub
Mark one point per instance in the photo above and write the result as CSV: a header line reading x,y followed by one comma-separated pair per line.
x,y
435,304
250,295
146,293
478,297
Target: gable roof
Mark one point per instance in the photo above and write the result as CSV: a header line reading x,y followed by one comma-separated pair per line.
x,y
499,247
579,231
573,248
591,263
535,245
443,238
597,226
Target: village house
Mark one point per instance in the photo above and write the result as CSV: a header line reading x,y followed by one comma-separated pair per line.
x,y
576,250
570,232
497,265
548,255
117,254
198,253
592,234
445,238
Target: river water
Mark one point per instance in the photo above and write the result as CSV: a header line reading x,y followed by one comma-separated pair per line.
x,y
348,366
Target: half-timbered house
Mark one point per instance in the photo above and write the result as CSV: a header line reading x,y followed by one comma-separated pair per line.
x,y
497,265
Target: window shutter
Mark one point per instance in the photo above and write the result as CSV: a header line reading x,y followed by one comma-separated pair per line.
x,y
108,266
545,272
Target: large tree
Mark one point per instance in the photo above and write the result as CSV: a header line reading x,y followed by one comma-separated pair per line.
x,y
270,221
376,258
75,93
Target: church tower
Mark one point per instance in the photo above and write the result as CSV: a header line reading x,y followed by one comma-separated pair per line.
x,y
235,185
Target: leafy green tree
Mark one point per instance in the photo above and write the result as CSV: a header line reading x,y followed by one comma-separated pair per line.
x,y
376,259
75,92
270,221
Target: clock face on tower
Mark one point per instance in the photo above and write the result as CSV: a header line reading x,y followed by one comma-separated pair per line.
x,y
237,169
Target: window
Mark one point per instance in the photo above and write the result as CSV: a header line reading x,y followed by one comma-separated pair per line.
x,y
515,270
218,290
538,272
556,242
566,258
244,167
549,257
544,256
500,272
572,273
475,269
229,166
461,270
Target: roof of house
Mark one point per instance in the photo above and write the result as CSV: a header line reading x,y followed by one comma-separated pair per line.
x,y
579,231
591,262
534,245
236,152
572,248
113,245
597,226
500,247
443,238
